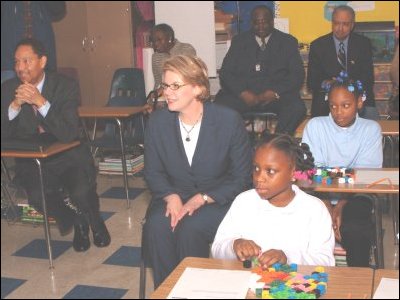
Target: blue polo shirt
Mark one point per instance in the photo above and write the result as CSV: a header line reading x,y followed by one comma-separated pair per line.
x,y
357,146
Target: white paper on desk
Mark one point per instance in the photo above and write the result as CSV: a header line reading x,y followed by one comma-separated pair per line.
x,y
388,288
197,283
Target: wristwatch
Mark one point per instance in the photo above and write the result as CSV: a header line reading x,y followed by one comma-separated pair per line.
x,y
276,96
205,198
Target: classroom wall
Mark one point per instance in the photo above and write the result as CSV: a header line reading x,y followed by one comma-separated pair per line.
x,y
307,22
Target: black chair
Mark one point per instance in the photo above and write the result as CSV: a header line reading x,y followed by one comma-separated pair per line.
x,y
128,82
127,89
270,120
133,128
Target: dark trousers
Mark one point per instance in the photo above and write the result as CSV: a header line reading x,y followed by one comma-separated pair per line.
x,y
61,177
164,249
357,230
290,113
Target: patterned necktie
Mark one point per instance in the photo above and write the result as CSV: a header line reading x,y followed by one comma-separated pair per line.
x,y
342,55
263,44
40,128
28,19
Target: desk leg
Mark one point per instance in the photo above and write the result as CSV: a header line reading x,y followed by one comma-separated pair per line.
x,y
123,160
378,233
389,138
46,220
395,215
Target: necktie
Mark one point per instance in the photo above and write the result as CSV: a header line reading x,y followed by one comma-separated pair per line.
x,y
263,44
28,19
40,128
342,55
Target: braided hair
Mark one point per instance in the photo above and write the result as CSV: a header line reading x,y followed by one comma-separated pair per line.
x,y
353,86
299,153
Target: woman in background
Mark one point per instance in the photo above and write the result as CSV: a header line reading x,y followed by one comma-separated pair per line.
x,y
165,46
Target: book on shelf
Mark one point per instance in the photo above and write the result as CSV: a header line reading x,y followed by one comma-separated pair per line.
x,y
113,165
340,255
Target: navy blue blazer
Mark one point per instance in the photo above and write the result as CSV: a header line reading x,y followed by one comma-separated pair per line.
x,y
221,165
323,64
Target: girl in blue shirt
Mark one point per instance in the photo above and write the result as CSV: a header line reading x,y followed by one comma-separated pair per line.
x,y
343,139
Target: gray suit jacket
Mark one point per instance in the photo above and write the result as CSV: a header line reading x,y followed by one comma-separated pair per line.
x,y
221,165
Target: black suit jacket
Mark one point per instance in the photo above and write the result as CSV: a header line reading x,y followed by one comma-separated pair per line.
x,y
61,121
283,69
323,64
221,165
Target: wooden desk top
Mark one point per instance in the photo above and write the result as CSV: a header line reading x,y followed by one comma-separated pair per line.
x,y
388,127
51,150
380,273
343,282
350,188
109,111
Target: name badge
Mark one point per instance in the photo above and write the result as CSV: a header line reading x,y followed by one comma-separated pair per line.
x,y
258,67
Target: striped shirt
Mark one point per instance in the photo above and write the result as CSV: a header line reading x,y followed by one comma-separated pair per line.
x,y
158,59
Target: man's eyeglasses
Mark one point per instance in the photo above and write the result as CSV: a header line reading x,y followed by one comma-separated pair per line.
x,y
173,86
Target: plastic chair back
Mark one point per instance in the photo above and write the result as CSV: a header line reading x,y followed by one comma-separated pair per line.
x,y
128,82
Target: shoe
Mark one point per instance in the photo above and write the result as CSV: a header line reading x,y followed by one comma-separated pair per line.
x,y
101,236
64,225
81,240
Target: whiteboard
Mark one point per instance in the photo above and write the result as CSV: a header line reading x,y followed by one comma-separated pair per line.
x,y
193,22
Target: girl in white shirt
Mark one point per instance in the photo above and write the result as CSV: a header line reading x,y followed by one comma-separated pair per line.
x,y
276,221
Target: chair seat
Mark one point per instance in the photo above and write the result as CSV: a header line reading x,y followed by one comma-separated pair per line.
x,y
258,114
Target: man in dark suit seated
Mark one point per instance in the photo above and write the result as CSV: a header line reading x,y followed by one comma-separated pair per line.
x,y
341,50
263,72
37,103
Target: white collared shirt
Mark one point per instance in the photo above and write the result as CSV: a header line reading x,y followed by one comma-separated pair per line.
x,y
43,110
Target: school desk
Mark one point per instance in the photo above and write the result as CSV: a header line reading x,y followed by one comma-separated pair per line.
x,y
343,282
383,273
119,114
372,190
37,156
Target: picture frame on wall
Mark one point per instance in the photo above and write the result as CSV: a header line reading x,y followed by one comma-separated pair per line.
x,y
383,39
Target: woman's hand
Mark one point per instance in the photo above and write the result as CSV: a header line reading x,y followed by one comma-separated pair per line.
x,y
191,206
174,206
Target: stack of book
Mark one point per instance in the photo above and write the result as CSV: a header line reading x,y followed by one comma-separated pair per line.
x,y
113,166
340,256
30,215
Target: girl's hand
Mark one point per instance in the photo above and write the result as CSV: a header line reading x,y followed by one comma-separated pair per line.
x,y
272,256
245,249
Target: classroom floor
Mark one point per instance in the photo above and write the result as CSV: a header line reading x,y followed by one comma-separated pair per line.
x,y
107,273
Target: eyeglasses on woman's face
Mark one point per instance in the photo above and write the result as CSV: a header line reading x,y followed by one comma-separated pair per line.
x,y
173,86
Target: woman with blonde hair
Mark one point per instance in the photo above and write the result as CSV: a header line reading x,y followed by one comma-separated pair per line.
x,y
197,160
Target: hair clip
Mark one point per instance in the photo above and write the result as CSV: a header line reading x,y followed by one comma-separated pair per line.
x,y
363,97
305,156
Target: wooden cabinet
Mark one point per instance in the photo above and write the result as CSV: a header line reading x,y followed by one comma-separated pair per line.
x,y
95,37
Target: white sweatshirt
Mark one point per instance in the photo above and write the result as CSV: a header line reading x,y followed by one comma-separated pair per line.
x,y
302,229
